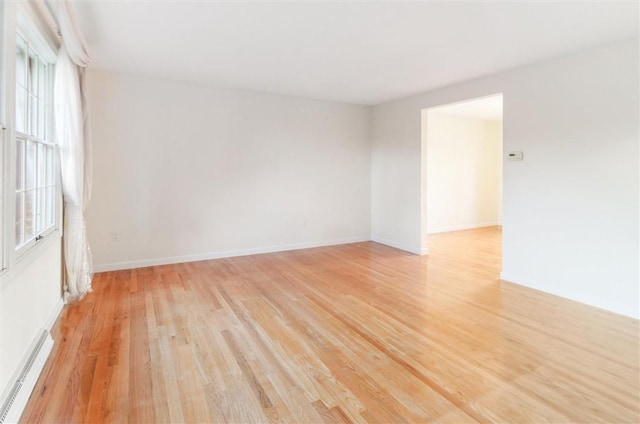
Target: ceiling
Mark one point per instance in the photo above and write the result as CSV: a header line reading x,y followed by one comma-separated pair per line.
x,y
486,108
356,52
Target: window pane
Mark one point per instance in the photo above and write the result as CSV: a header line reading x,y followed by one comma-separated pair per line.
x,y
19,164
20,62
19,221
50,206
41,169
51,171
43,96
33,115
41,121
32,73
21,110
42,74
30,164
29,214
41,209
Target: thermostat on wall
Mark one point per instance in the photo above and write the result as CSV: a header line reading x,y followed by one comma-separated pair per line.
x,y
515,155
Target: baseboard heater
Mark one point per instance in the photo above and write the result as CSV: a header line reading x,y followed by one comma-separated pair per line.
x,y
17,398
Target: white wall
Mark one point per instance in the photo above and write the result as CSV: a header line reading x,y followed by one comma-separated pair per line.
x,y
186,171
30,300
464,157
570,214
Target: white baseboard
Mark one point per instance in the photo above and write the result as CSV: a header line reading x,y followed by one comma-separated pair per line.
x,y
222,254
401,246
16,400
510,279
462,227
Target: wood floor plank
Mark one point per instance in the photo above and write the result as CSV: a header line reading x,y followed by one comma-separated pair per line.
x,y
342,334
536,383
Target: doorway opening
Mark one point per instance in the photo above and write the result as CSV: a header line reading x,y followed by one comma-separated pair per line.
x,y
462,167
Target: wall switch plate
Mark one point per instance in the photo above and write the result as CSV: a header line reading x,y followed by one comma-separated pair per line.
x,y
515,155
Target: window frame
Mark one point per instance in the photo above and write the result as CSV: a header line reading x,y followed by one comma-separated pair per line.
x,y
5,187
26,137
5,40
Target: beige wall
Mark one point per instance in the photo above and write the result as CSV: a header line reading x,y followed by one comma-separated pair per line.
x,y
464,172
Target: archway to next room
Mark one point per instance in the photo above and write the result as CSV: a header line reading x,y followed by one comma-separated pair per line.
x,y
462,168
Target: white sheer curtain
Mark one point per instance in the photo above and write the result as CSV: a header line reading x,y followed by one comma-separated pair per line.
x,y
70,116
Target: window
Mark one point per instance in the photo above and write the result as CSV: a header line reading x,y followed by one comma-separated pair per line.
x,y
35,164
30,195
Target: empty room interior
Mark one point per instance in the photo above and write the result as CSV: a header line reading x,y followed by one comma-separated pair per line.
x,y
319,212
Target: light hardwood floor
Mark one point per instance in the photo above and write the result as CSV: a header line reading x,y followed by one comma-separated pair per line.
x,y
352,333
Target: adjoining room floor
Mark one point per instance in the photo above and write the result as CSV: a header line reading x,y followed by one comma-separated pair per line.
x,y
351,333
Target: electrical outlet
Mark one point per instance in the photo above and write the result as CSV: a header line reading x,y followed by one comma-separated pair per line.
x,y
115,237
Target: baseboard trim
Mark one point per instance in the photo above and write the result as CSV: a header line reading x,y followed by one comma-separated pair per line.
x,y
13,406
401,246
118,266
463,227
